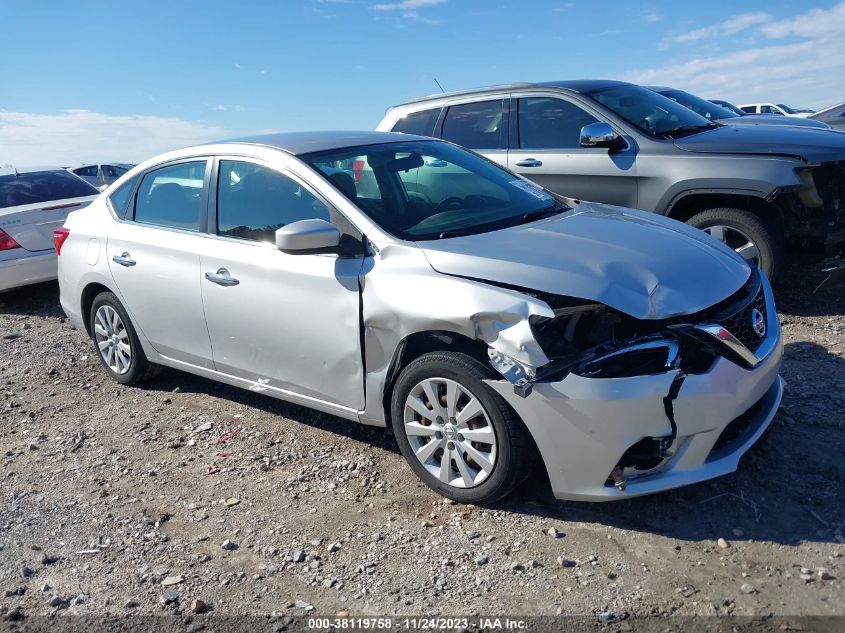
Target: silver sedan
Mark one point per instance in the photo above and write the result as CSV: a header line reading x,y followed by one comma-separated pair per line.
x,y
400,281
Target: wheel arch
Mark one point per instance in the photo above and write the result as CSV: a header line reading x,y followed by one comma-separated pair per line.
x,y
416,344
688,205
89,293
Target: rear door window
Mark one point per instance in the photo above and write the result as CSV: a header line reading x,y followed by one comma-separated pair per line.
x,y
479,125
42,186
172,196
549,123
421,122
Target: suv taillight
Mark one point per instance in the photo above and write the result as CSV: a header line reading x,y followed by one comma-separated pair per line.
x,y
59,237
7,242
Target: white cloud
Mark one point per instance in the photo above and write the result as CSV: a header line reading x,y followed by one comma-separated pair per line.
x,y
407,5
77,136
731,26
814,24
803,72
651,17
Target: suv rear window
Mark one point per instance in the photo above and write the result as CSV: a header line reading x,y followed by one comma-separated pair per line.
x,y
42,186
477,125
421,122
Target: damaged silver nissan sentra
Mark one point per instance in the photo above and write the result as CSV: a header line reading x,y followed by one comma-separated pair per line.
x,y
402,281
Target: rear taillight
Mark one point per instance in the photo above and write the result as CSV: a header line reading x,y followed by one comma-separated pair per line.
x,y
59,237
7,242
358,169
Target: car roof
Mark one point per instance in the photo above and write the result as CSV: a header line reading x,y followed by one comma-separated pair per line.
x,y
297,143
10,170
662,88
574,85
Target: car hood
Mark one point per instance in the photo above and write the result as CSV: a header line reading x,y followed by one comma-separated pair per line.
x,y
810,144
639,263
773,119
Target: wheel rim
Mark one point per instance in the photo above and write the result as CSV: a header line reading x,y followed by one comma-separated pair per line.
x,y
450,432
737,240
112,339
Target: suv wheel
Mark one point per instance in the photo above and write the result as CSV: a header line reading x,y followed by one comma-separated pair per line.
x,y
457,434
117,343
746,233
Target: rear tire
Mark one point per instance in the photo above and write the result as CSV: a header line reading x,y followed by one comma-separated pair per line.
x,y
738,228
116,343
473,471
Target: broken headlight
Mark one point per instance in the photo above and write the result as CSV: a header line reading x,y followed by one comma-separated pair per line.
x,y
641,358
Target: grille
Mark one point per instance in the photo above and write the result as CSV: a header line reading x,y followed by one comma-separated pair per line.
x,y
740,323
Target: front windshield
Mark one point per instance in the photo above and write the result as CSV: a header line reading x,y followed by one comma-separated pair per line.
x,y
787,109
420,190
707,109
652,113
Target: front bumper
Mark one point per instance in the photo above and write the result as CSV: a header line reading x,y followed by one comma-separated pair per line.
x,y
583,426
27,268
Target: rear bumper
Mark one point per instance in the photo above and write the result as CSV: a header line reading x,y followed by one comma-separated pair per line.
x,y
29,268
583,426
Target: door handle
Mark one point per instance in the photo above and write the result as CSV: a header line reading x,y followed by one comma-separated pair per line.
x,y
124,260
222,278
530,162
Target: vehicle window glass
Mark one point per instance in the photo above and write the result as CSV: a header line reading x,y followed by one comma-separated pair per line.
x,y
652,113
113,171
421,122
90,171
253,201
42,186
172,196
476,125
548,123
122,198
767,109
421,190
749,109
707,109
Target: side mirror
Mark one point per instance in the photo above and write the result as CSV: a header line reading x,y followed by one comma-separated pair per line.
x,y
307,235
600,135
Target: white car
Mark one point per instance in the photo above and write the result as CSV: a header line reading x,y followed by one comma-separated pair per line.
x,y
34,202
774,108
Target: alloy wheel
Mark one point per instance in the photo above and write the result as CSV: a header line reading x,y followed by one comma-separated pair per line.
x,y
112,339
737,240
450,432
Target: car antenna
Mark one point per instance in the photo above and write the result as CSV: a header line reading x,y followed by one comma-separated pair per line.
x,y
439,86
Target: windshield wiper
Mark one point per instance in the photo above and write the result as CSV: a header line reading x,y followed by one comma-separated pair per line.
x,y
687,129
541,213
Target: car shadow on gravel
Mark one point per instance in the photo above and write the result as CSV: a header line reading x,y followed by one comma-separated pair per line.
x,y
789,488
41,300
794,291
172,379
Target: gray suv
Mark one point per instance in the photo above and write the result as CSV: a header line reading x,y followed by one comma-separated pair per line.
x,y
753,187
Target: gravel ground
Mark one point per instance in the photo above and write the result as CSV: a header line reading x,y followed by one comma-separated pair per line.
x,y
186,495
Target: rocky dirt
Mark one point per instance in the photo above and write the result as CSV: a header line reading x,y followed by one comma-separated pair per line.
x,y
190,496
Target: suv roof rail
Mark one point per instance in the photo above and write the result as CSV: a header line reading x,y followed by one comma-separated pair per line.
x,y
469,91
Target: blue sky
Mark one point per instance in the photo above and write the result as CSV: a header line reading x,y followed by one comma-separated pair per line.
x,y
121,81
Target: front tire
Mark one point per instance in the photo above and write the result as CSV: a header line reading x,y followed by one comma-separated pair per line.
x,y
747,233
116,342
457,434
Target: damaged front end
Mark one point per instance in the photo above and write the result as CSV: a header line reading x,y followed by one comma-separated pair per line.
x,y
814,210
617,383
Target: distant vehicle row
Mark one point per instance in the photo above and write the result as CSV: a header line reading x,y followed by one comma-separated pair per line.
x,y
754,187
